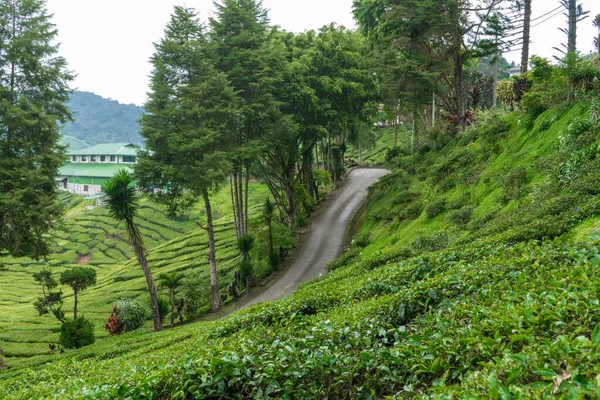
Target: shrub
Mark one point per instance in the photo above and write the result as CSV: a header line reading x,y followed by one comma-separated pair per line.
x,y
164,307
196,294
436,208
513,182
461,217
579,126
131,314
411,211
533,104
77,334
437,241
361,240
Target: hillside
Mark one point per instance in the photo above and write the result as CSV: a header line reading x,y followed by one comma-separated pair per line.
x,y
476,271
91,237
100,120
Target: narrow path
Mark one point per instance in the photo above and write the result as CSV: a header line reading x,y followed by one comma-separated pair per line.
x,y
324,242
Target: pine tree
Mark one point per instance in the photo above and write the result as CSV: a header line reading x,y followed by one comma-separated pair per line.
x,y
526,35
240,33
189,118
33,92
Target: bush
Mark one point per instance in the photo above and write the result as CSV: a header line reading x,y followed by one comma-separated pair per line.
x,y
196,294
513,182
164,307
411,211
130,314
77,334
436,208
438,241
533,104
462,216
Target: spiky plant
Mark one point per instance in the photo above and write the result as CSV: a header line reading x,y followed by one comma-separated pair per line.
x,y
122,203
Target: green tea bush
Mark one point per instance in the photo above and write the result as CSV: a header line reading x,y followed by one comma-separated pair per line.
x,y
410,212
513,181
131,313
436,208
433,242
461,217
77,334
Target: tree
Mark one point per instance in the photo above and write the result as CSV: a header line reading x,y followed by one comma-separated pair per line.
x,y
244,53
51,301
79,279
597,38
171,281
245,245
268,211
122,204
190,118
575,14
526,35
33,92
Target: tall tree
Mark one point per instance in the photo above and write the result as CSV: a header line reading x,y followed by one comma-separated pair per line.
x,y
526,35
597,38
240,37
189,123
33,91
575,14
122,204
79,279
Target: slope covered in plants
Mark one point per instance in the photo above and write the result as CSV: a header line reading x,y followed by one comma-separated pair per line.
x,y
476,272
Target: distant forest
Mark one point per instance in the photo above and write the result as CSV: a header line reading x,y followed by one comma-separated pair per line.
x,y
100,120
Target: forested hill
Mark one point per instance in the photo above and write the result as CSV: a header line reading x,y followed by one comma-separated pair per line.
x,y
100,120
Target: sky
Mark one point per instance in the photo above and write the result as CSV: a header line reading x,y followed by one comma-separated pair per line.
x,y
108,43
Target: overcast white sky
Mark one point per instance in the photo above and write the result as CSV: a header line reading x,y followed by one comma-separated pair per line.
x,y
108,42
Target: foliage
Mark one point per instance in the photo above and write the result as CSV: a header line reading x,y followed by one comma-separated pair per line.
x,y
130,314
436,208
51,300
34,90
79,279
77,333
196,294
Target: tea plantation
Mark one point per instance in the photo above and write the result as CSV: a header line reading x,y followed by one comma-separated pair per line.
x,y
476,274
91,237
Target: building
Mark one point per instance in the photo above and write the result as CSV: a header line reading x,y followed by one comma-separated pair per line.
x,y
514,71
87,169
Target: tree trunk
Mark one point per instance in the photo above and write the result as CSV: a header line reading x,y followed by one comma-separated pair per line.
x,y
458,86
495,76
212,257
572,43
172,296
271,250
75,305
235,216
396,123
246,201
140,254
526,37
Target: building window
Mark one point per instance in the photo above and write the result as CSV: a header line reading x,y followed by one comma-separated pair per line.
x,y
86,188
129,159
102,158
92,158
83,158
113,158
74,158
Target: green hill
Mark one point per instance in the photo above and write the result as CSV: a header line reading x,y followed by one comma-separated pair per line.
x,y
476,271
99,120
73,143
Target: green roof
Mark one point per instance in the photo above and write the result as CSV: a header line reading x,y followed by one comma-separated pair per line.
x,y
123,149
92,169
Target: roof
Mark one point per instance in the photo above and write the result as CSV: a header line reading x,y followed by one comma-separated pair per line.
x,y
124,149
516,68
92,169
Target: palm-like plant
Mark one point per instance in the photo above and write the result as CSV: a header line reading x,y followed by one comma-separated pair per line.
x,y
171,281
122,204
597,38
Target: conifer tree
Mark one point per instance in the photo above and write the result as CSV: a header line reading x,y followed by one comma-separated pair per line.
x,y
33,91
190,115
240,34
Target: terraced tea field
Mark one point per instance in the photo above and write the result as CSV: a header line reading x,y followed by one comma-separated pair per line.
x,y
91,237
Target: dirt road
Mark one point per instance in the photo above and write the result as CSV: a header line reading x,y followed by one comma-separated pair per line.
x,y
325,240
